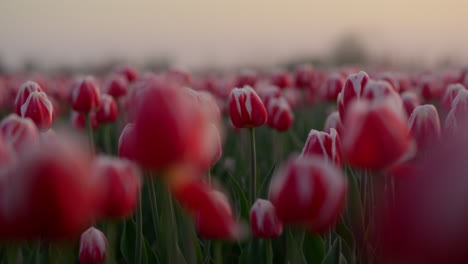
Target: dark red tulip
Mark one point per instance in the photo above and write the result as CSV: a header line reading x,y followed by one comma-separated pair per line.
x,y
410,101
129,72
424,123
353,89
280,114
108,111
93,247
85,95
116,86
246,108
326,145
282,79
19,133
23,94
332,87
39,109
264,222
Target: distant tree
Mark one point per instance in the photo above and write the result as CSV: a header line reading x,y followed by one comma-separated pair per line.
x,y
349,49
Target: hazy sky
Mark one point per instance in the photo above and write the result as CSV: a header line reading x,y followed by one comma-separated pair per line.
x,y
226,32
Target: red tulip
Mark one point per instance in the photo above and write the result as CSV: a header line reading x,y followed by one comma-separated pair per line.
x,y
280,114
459,112
266,91
404,83
246,108
126,146
450,94
332,87
282,79
310,192
424,123
19,133
352,89
305,77
108,111
246,78
39,109
381,90
376,134
116,86
410,101
120,186
93,247
263,220
85,95
208,102
429,87
333,121
130,73
325,145
78,120
293,96
216,146
391,79
23,94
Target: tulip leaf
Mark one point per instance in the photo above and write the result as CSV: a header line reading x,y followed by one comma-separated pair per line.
x,y
127,243
334,253
267,179
242,197
313,248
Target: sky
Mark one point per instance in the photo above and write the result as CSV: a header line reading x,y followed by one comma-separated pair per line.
x,y
228,33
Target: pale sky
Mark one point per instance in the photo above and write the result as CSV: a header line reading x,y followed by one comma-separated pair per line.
x,y
226,32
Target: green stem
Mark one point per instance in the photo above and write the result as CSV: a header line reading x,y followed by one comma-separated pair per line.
x,y
154,206
37,258
253,167
11,256
218,252
269,251
173,235
90,132
139,232
107,138
209,175
111,233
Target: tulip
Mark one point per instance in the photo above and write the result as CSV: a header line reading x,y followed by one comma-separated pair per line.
x,y
85,95
264,221
116,86
246,108
332,87
353,89
391,79
121,186
216,147
125,145
424,123
246,78
108,111
282,79
410,101
93,247
429,87
381,90
333,121
376,134
266,91
128,72
323,144
207,101
309,192
458,115
450,94
404,83
280,113
78,120
293,96
19,133
305,77
23,94
39,109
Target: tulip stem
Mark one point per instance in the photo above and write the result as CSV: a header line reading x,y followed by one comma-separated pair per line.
x,y
269,251
107,138
90,132
139,232
253,167
218,252
154,205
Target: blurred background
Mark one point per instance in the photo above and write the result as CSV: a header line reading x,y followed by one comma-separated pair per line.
x,y
67,36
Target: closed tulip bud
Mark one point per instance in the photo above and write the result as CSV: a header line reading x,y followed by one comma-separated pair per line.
x,y
429,87
39,109
332,87
19,133
309,192
246,108
263,220
333,121
353,89
266,91
457,118
376,134
126,146
450,94
280,114
391,79
78,120
410,101
120,181
424,123
23,94
305,77
404,82
108,111
130,73
93,247
381,90
116,86
282,79
325,145
85,95
246,78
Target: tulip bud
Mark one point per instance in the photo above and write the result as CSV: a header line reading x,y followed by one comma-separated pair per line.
x,y
404,83
293,96
305,77
126,146
246,108
85,95
391,79
410,101
376,133
281,115
130,73
23,94
93,247
108,111
246,78
266,91
282,79
429,87
309,192
424,123
78,120
352,89
332,87
381,90
325,145
333,121
457,118
263,220
39,109
19,133
120,186
450,94
116,86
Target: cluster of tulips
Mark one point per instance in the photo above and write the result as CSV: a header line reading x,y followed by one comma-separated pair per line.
x,y
133,167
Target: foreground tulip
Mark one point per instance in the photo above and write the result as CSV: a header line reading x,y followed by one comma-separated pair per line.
x,y
120,181
324,144
93,247
450,94
280,114
19,133
23,94
410,101
376,134
108,111
85,95
353,89
309,192
424,123
263,220
246,108
39,109
116,86
333,121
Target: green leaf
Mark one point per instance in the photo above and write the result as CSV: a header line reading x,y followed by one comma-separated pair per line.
x,y
127,243
241,195
313,248
267,179
333,255
343,231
